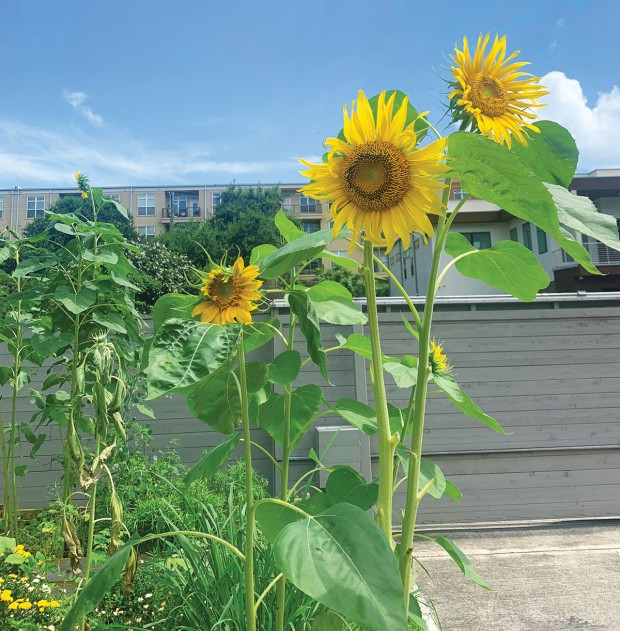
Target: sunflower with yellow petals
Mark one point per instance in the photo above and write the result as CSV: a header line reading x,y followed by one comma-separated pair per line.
x,y
378,183
490,93
438,359
231,293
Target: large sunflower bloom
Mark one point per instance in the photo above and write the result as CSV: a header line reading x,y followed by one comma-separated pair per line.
x,y
377,181
230,294
491,94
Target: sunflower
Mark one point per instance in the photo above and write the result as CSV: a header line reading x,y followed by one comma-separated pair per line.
x,y
491,94
230,294
376,179
438,359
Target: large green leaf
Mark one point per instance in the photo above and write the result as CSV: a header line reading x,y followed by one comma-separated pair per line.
x,y
552,154
169,306
298,251
212,461
109,320
342,559
580,213
429,472
272,517
507,266
344,484
97,587
305,404
259,333
261,252
357,414
459,557
287,228
488,170
217,401
184,352
303,308
341,261
329,621
285,367
333,303
75,302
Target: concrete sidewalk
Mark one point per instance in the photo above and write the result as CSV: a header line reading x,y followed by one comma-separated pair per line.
x,y
552,578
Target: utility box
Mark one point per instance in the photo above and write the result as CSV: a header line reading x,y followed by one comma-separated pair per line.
x,y
342,444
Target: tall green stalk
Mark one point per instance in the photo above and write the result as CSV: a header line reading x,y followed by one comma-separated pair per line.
x,y
419,407
387,442
249,494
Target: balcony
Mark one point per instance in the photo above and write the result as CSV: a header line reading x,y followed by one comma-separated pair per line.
x,y
181,213
305,210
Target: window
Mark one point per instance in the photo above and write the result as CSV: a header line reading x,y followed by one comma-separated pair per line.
x,y
514,235
314,265
384,258
146,205
310,226
1,206
458,193
527,235
287,203
216,198
35,207
179,205
195,209
542,241
342,253
480,240
307,204
146,232
115,197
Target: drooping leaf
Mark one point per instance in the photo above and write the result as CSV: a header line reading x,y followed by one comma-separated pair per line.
x,y
261,252
447,383
467,406
217,401
404,372
212,461
109,320
259,333
75,302
452,491
552,154
357,414
342,559
287,228
429,472
97,587
272,517
285,367
328,621
184,352
507,266
341,261
169,306
101,256
492,172
333,303
580,214
303,308
306,401
459,557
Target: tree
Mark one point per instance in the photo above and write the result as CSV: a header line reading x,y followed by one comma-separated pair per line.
x,y
244,219
352,281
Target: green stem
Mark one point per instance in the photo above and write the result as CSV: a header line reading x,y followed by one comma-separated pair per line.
x,y
419,407
249,494
284,472
387,442
5,471
91,519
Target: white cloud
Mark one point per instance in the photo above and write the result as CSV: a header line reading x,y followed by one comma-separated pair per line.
x,y
76,100
32,156
560,22
596,129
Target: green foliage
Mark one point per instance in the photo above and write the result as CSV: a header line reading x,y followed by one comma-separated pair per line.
x,y
162,271
352,281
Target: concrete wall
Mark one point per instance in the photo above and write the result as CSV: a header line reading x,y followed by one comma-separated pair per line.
x,y
548,371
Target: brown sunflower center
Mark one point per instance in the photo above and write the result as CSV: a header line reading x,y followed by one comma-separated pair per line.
x,y
376,176
488,95
223,292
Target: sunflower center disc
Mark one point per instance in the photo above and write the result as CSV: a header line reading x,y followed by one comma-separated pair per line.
x,y
488,95
376,176
221,291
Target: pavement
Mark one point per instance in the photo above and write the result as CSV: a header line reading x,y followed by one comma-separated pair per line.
x,y
542,578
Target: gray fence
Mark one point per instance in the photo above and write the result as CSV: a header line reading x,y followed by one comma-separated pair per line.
x,y
549,371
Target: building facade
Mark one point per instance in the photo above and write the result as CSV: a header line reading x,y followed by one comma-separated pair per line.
x,y
484,224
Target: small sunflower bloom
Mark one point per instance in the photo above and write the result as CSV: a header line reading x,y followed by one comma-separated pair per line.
x,y
377,181
25,605
230,294
438,359
490,93
82,184
5,596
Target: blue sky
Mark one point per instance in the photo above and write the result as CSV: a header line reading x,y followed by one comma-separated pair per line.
x,y
205,92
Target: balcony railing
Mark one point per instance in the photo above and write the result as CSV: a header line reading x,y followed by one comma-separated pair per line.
x,y
303,210
600,254
180,213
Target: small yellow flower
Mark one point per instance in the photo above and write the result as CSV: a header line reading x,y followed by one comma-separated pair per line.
x,y
25,605
438,359
6,595
21,551
14,605
54,604
230,294
12,575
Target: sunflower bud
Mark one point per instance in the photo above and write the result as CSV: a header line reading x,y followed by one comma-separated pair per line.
x,y
131,569
69,534
116,513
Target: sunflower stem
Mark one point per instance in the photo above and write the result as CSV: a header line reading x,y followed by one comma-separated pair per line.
x,y
250,610
419,405
387,442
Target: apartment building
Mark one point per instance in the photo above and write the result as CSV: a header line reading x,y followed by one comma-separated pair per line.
x,y
160,208
484,224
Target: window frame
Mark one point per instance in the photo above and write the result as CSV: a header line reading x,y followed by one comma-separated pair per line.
x,y
526,232
470,236
143,209
35,211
